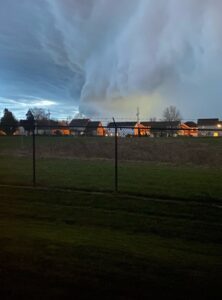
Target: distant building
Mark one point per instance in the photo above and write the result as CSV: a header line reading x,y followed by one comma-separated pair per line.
x,y
60,128
25,127
80,127
127,129
2,133
20,131
43,127
188,129
77,127
209,127
162,128
94,128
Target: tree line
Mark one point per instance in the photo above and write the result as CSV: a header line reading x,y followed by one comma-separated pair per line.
x,y
9,124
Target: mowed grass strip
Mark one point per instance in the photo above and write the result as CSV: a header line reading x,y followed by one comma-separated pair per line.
x,y
198,183
55,244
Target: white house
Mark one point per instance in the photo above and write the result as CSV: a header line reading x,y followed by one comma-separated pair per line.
x,y
127,129
209,127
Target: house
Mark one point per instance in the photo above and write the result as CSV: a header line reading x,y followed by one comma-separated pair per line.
x,y
61,128
46,126
42,127
127,129
2,133
20,131
27,126
209,127
77,127
162,128
188,129
95,128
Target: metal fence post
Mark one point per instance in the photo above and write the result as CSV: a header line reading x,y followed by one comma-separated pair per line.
x,y
33,156
116,156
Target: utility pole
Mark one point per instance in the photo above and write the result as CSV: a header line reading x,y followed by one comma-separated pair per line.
x,y
138,115
116,156
138,119
33,156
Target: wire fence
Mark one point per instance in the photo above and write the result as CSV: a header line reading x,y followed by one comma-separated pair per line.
x,y
162,161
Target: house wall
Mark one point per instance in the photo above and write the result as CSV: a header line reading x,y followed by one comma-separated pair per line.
x,y
2,133
137,130
211,131
122,132
141,130
20,131
188,131
77,131
61,131
100,131
65,131
110,131
43,131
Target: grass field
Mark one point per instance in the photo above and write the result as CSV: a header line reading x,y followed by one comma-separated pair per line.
x,y
159,236
176,168
160,180
58,243
181,151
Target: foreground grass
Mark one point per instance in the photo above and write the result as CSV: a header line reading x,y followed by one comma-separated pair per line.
x,y
199,183
89,245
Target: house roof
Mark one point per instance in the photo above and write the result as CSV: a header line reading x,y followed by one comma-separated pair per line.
x,y
161,124
191,124
79,123
208,122
2,132
92,125
121,124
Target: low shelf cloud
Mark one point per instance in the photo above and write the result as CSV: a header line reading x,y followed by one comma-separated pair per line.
x,y
104,57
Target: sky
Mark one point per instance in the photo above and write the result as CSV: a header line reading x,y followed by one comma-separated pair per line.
x,y
105,58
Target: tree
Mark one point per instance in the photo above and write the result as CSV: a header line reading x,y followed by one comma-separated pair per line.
x,y
79,115
171,114
8,122
29,116
41,117
29,123
39,113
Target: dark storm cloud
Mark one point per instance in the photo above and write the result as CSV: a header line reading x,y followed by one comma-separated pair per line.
x,y
28,70
109,56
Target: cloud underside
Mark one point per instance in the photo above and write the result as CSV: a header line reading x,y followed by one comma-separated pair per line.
x,y
108,57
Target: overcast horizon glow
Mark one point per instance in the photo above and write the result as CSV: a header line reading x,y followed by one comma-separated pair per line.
x,y
104,58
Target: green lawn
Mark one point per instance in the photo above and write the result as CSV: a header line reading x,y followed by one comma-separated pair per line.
x,y
100,245
152,179
176,168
